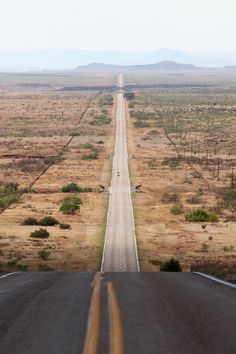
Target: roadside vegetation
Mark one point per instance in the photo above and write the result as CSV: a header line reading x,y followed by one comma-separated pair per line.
x,y
46,221
173,265
9,194
44,254
74,188
201,216
53,146
183,149
41,233
70,205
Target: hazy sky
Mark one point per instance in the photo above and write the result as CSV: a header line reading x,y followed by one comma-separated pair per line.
x,y
189,25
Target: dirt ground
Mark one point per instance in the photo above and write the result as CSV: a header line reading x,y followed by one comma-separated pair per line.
x,y
47,140
177,153
182,151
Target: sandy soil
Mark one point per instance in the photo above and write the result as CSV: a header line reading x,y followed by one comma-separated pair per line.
x,y
160,233
37,128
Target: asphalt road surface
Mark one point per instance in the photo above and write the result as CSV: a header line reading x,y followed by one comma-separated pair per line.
x,y
120,250
116,313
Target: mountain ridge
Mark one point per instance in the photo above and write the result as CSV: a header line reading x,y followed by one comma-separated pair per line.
x,y
60,59
165,65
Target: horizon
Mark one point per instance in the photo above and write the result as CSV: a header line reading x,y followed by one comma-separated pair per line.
x,y
69,59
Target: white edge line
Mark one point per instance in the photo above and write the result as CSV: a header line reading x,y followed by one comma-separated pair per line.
x,y
134,233
216,280
108,216
109,203
131,204
8,275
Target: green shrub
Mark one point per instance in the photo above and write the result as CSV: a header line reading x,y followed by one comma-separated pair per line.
x,y
9,194
48,221
44,254
70,188
173,265
30,221
7,200
70,205
73,187
129,96
92,156
10,188
177,209
201,216
41,233
64,226
170,198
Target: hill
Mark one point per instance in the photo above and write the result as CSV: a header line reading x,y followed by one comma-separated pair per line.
x,y
163,66
65,59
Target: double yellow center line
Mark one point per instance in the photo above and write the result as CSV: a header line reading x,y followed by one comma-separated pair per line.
x,y
115,323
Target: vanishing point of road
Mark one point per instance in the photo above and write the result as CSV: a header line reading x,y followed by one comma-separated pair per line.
x,y
120,249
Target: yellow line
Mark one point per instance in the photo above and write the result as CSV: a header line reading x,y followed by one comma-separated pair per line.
x,y
116,331
91,341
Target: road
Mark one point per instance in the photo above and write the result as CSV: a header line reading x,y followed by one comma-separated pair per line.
x,y
115,311
120,250
141,313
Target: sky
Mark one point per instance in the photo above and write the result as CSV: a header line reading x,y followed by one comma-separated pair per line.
x,y
133,25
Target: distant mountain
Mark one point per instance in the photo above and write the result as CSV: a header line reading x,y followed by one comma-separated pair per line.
x,y
165,65
99,67
162,66
68,59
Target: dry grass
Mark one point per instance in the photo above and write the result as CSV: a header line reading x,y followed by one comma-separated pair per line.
x,y
166,160
43,132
